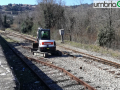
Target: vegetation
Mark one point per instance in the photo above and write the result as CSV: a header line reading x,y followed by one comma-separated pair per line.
x,y
94,48
47,15
5,21
16,7
0,7
27,25
106,37
0,21
82,23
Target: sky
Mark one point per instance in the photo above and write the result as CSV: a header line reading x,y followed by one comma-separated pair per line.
x,y
33,2
77,2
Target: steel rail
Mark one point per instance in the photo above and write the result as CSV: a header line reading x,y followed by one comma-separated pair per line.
x,y
62,70
87,86
65,53
66,72
94,58
23,58
23,36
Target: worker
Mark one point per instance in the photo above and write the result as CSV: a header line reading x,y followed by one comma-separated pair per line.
x,y
44,35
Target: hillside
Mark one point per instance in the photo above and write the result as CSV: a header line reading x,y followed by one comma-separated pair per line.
x,y
16,8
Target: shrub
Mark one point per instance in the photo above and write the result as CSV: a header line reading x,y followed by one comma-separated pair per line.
x,y
27,25
106,36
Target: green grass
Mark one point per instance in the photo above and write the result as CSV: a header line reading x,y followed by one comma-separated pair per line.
x,y
10,40
94,48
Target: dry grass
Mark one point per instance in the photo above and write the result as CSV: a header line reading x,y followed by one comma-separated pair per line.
x,y
90,47
94,48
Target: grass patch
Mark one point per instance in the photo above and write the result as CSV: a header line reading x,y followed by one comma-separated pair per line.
x,y
10,40
94,48
28,34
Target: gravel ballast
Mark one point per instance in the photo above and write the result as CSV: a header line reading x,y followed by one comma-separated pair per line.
x,y
91,71
7,78
98,75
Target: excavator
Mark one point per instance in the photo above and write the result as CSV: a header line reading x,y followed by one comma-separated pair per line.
x,y
44,45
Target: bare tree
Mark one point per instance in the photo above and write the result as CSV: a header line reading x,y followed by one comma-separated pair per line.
x,y
0,21
50,14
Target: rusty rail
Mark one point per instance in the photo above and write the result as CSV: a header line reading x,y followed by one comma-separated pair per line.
x,y
65,53
66,72
23,36
23,58
94,58
53,66
26,47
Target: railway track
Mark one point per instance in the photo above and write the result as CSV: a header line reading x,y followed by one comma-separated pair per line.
x,y
60,69
88,56
26,65
56,71
75,53
94,58
29,38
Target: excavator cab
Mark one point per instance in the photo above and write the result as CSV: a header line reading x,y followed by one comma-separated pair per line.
x,y
44,34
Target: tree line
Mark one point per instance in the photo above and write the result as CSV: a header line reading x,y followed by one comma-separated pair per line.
x,y
16,7
83,23
5,21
